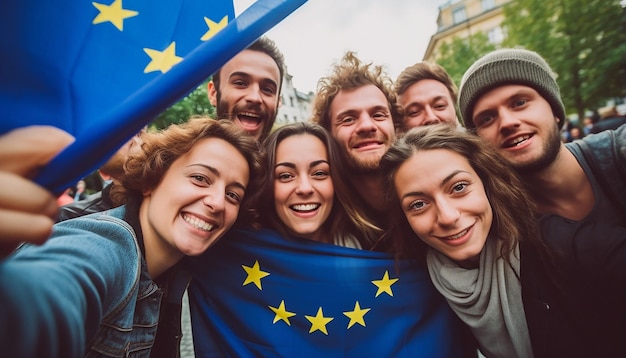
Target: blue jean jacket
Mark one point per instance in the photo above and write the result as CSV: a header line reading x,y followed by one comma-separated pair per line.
x,y
85,292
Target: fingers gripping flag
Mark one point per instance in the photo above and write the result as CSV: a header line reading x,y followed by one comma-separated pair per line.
x,y
256,294
103,69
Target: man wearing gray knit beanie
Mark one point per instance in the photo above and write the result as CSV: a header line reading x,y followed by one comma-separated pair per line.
x,y
511,99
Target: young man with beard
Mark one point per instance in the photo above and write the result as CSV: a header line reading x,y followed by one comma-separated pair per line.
x,y
247,88
511,99
357,105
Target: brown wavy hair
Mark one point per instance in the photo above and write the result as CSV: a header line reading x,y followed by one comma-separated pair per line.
x,y
145,167
425,71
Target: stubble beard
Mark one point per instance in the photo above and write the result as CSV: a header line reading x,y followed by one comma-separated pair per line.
x,y
549,153
363,166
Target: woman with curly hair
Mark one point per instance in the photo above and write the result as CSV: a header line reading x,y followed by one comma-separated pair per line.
x,y
98,285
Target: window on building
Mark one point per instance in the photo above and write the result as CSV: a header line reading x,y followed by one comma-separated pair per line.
x,y
495,35
488,4
458,15
291,100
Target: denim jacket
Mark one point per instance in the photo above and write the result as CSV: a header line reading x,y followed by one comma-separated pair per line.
x,y
85,292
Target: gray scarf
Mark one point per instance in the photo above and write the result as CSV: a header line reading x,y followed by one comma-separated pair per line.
x,y
488,299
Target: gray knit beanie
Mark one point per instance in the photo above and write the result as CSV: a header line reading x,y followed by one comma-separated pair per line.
x,y
508,66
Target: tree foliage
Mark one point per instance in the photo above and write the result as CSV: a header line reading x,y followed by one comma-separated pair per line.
x,y
196,102
584,41
459,54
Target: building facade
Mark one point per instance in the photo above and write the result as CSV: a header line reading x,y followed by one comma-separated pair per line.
x,y
296,105
463,18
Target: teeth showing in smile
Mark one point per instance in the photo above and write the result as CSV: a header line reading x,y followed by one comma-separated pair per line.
x,y
305,207
249,117
454,237
519,140
197,223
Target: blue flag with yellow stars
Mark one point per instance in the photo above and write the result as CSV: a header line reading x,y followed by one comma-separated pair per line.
x,y
257,294
103,69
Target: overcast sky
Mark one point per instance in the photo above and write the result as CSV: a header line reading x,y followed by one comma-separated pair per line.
x,y
393,33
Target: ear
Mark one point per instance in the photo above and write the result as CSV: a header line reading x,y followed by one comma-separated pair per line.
x,y
212,93
104,175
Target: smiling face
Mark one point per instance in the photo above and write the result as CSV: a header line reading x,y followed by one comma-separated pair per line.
x,y
196,201
249,91
447,207
362,124
520,123
427,102
303,187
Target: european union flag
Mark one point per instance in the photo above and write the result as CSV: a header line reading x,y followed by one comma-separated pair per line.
x,y
257,294
103,69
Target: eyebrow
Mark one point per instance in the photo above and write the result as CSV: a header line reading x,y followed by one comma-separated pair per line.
x,y
217,173
293,166
247,75
443,182
368,109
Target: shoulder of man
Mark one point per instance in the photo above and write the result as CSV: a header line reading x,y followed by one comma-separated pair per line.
x,y
605,152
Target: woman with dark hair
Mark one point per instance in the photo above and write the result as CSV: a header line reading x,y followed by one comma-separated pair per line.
x,y
98,285
486,256
306,194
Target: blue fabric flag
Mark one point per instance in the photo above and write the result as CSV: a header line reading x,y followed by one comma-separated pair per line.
x,y
257,294
102,70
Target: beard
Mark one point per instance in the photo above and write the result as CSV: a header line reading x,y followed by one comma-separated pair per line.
x,y
363,165
266,119
550,151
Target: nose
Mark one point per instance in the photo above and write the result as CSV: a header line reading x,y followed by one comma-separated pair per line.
x,y
508,120
304,186
448,214
254,93
215,199
366,124
431,117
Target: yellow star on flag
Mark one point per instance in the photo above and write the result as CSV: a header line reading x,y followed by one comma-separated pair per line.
x,y
113,13
357,316
162,60
254,274
319,322
282,313
214,27
384,285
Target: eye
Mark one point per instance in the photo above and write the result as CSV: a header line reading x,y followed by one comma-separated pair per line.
x,y
234,197
284,177
417,205
484,119
268,90
414,113
519,102
347,120
201,180
240,83
459,187
320,174
440,106
380,115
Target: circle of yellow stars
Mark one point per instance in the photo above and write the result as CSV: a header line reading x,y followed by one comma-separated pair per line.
x,y
254,275
164,60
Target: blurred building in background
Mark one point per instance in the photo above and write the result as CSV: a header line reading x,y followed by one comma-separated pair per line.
x,y
296,105
464,18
